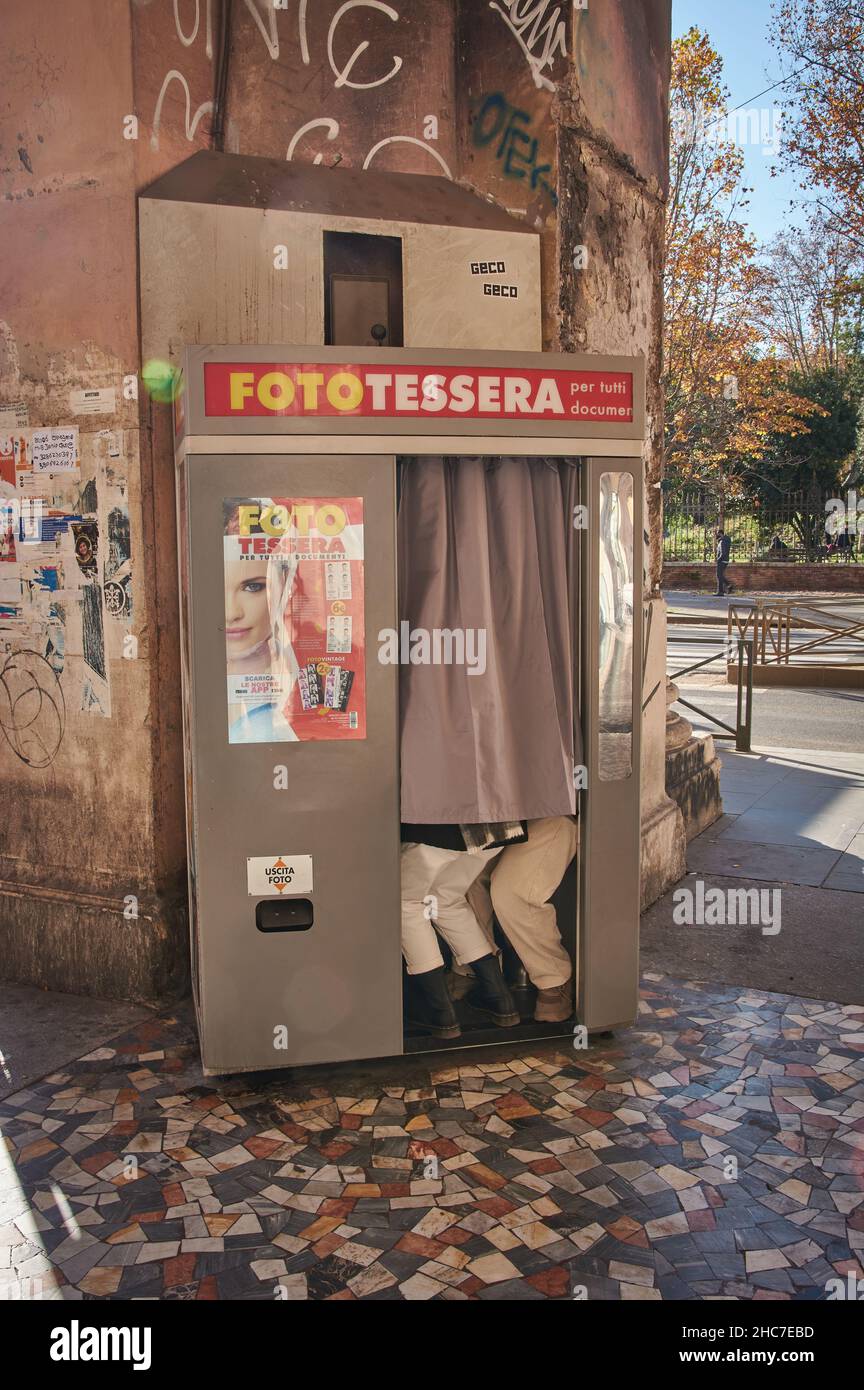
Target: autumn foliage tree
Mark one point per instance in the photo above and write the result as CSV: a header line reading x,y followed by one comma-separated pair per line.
x,y
725,394
821,46
816,296
816,315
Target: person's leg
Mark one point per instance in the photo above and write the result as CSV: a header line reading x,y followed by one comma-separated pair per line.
x,y
480,901
481,905
467,940
452,915
427,1001
418,865
718,569
523,881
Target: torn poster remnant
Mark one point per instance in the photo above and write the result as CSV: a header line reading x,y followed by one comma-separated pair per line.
x,y
118,565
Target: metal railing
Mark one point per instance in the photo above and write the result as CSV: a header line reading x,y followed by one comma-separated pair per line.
x,y
744,651
769,624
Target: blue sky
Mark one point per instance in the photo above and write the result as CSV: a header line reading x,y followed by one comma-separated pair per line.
x,y
738,30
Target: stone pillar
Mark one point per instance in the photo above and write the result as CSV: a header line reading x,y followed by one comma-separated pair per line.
x,y
692,770
663,831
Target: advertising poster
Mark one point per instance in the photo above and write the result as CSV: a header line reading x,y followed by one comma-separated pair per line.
x,y
294,618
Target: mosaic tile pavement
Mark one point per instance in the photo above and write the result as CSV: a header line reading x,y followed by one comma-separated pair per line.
x,y
505,1173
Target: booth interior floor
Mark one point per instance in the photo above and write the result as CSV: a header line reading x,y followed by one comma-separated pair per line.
x,y
478,1032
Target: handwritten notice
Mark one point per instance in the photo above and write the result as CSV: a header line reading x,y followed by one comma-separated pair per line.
x,y
54,451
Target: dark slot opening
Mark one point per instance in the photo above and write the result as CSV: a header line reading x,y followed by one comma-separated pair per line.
x,y
284,914
362,290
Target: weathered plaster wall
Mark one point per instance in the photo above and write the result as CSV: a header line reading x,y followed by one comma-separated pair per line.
x,y
88,899
613,157
559,115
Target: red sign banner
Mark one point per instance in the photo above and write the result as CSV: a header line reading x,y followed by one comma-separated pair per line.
x,y
400,391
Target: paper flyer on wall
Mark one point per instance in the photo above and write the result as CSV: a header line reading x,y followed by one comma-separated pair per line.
x,y
294,618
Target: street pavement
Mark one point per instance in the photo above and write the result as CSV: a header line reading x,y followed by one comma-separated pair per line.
x,y
783,717
700,601
798,815
830,720
698,626
40,1030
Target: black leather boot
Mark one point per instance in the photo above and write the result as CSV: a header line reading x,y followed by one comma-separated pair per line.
x,y
429,1006
490,994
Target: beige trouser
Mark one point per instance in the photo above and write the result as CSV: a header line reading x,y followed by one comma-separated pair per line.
x,y
434,884
522,882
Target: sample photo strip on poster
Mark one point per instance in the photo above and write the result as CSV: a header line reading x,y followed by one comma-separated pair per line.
x,y
294,621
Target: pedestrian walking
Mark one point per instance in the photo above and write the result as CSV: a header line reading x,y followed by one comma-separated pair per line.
x,y
724,547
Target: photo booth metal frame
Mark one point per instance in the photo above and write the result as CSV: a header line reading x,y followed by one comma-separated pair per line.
x,y
330,990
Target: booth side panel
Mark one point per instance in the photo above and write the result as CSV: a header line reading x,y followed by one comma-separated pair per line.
x,y
329,991
608,946
183,561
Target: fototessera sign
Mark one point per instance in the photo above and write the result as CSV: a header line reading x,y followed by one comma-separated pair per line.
x,y
391,391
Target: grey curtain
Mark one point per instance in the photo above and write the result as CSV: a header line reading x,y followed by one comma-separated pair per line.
x,y
488,545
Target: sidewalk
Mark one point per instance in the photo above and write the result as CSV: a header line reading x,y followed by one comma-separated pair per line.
x,y
713,1151
795,816
793,819
702,606
40,1031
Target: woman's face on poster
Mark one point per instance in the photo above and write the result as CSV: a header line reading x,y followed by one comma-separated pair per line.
x,y
247,618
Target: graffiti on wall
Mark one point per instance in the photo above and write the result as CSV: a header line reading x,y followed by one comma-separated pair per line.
x,y
32,708
504,129
192,122
187,35
341,74
187,40
371,56
333,128
117,582
541,32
